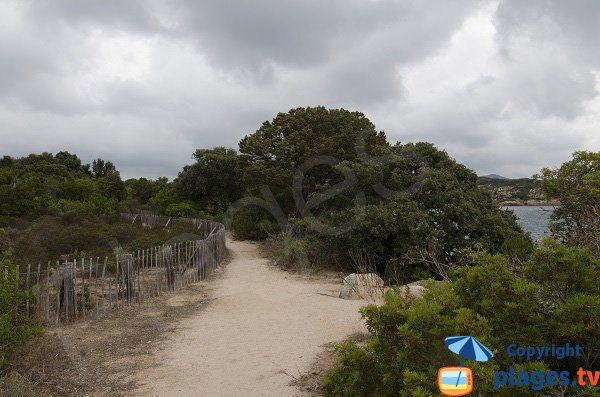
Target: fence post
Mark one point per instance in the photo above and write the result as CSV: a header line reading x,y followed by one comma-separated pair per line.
x,y
117,281
58,282
137,276
129,278
27,288
170,268
68,292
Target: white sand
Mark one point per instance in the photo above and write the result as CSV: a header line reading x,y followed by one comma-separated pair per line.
x,y
264,326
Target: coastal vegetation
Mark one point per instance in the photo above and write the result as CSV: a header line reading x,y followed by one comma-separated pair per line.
x,y
330,191
550,295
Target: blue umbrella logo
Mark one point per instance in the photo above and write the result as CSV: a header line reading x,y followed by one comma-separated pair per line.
x,y
468,348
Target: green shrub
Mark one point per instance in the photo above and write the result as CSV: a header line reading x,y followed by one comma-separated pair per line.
x,y
49,237
292,253
14,330
253,224
355,373
553,298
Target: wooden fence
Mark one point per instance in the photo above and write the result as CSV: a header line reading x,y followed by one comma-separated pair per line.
x,y
77,289
150,219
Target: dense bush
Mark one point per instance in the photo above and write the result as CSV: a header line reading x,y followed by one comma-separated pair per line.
x,y
576,183
406,205
45,183
14,330
252,224
49,237
214,181
553,298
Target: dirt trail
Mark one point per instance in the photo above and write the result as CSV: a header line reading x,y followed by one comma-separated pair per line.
x,y
263,327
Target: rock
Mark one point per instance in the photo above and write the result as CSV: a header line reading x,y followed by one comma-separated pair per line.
x,y
416,288
362,286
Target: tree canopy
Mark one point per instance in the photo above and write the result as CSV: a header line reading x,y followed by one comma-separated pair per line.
x,y
274,153
576,184
214,181
403,203
44,183
548,295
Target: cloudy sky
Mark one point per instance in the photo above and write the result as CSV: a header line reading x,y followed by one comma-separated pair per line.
x,y
505,87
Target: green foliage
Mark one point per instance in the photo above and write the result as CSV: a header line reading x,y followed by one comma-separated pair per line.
x,y
184,209
274,152
214,181
493,300
13,329
41,184
435,210
101,168
354,374
252,224
291,252
577,185
142,189
406,346
87,299
405,204
562,271
164,198
497,293
49,237
112,187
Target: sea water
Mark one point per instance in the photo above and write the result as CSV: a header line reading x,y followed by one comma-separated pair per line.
x,y
533,219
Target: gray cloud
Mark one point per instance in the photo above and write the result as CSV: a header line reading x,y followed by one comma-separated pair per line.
x,y
505,87
137,15
555,40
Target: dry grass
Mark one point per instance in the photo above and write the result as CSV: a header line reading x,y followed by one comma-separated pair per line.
x,y
99,357
18,385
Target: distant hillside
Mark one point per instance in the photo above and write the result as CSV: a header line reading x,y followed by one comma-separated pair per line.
x,y
494,176
523,191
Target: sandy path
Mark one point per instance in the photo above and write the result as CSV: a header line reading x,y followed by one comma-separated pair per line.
x,y
262,323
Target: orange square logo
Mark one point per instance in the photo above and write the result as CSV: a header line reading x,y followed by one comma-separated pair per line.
x,y
455,381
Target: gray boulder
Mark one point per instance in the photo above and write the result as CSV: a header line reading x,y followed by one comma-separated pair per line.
x,y
416,288
362,286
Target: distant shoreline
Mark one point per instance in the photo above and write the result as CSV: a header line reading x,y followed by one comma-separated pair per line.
x,y
532,203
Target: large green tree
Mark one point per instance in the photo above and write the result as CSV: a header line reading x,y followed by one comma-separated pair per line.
x,y
214,181
143,189
423,208
409,208
576,184
315,138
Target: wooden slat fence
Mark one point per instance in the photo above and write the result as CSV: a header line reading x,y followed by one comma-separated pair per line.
x,y
67,291
150,219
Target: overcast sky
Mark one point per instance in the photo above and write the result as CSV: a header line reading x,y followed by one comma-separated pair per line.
x,y
505,87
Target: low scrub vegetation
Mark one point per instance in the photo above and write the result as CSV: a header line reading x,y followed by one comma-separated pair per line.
x,y
329,190
14,329
533,296
554,297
